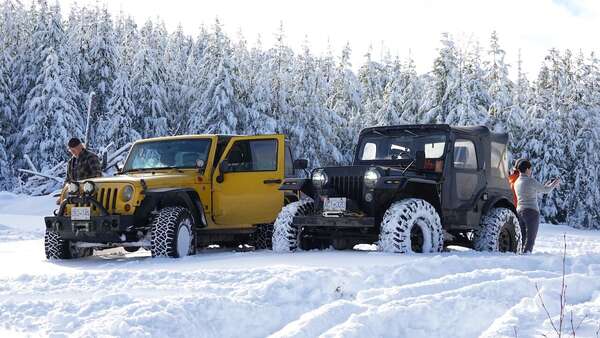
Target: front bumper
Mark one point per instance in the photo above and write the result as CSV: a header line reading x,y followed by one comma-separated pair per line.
x,y
335,222
101,229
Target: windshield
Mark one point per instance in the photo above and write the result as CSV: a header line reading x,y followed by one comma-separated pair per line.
x,y
404,147
167,154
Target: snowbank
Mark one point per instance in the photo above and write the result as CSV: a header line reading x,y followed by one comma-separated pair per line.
x,y
459,293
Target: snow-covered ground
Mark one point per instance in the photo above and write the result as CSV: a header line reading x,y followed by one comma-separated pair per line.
x,y
221,293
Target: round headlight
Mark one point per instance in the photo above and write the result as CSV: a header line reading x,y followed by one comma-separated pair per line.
x,y
319,178
89,187
127,193
371,177
73,188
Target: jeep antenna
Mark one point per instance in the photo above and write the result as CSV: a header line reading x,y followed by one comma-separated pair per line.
x,y
89,115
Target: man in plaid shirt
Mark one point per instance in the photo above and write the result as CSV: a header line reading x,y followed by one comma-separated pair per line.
x,y
84,164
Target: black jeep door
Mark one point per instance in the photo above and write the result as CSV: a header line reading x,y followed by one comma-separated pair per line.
x,y
466,183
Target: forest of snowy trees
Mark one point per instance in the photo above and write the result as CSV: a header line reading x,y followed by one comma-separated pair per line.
x,y
151,82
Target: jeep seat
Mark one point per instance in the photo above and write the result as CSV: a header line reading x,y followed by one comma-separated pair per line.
x,y
187,159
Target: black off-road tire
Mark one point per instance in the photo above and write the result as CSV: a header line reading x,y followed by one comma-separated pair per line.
x,y
165,233
286,236
408,217
263,236
56,247
499,231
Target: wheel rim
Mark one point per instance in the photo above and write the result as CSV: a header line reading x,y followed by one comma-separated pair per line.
x,y
417,239
184,238
505,243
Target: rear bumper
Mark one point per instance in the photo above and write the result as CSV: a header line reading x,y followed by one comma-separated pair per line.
x,y
101,229
335,222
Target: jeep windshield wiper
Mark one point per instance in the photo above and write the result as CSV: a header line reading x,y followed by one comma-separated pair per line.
x,y
151,169
168,167
134,170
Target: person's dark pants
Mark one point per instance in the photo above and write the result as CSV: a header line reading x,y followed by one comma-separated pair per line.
x,y
530,220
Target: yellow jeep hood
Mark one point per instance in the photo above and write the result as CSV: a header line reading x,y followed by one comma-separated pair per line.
x,y
158,179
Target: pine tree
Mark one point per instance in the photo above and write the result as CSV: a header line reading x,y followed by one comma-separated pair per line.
x,y
8,113
219,109
311,131
391,111
518,120
345,100
411,94
55,115
118,120
101,62
148,86
444,94
473,101
498,86
179,89
280,61
373,81
261,98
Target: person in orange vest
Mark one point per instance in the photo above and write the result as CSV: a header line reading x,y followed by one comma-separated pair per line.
x,y
512,178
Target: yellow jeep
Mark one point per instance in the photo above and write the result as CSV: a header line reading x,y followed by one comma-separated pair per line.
x,y
176,194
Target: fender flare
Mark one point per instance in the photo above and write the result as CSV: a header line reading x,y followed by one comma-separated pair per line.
x,y
161,197
298,184
501,201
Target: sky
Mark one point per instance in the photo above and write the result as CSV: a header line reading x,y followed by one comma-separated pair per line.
x,y
400,28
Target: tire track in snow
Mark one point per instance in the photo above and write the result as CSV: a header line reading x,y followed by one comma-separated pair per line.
x,y
459,294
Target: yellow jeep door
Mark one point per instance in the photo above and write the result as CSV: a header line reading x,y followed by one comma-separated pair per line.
x,y
247,192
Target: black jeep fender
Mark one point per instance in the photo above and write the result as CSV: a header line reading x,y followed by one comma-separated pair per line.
x,y
401,187
164,197
298,184
498,202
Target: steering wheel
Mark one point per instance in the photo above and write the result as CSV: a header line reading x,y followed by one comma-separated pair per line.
x,y
398,154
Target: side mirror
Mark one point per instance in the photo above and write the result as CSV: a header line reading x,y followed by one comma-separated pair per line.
x,y
119,167
420,159
300,164
223,168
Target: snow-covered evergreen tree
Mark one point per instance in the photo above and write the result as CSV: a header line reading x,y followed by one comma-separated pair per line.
x,y
443,96
518,120
391,110
473,98
260,109
219,109
101,68
148,86
55,117
117,122
345,101
373,80
179,88
498,86
311,126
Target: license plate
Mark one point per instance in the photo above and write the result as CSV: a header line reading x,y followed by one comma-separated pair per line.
x,y
80,213
335,204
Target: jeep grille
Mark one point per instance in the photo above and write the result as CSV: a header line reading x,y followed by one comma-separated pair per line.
x,y
347,186
107,197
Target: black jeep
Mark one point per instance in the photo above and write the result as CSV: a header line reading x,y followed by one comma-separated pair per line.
x,y
411,188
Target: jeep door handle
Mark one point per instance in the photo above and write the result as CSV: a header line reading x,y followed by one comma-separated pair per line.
x,y
273,181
